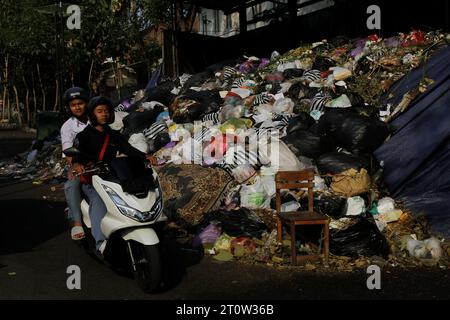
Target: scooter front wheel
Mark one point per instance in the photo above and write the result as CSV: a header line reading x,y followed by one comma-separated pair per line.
x,y
147,266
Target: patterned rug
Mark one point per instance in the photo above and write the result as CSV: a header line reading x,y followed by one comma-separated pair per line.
x,y
190,191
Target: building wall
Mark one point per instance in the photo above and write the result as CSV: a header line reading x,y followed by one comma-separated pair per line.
x,y
215,23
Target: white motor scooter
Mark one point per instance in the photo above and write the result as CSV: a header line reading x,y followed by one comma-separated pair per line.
x,y
129,224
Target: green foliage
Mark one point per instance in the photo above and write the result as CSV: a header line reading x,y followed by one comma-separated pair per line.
x,y
28,37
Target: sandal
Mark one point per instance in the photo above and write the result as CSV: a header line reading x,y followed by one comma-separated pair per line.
x,y
77,233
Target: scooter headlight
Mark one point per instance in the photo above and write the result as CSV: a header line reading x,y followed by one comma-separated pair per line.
x,y
133,213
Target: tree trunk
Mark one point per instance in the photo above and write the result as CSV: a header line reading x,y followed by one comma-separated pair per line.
x,y
9,106
19,114
56,96
27,101
5,91
4,103
34,98
42,88
90,76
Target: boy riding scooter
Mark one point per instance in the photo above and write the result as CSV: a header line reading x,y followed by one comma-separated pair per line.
x,y
125,200
98,142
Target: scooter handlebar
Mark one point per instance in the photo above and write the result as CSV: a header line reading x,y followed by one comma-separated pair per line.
x,y
99,167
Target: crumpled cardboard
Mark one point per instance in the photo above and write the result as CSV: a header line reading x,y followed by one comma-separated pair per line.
x,y
351,182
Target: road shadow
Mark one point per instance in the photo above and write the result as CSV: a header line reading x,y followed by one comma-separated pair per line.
x,y
176,256
26,223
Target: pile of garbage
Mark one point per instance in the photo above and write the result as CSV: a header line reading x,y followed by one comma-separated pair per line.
x,y
43,163
321,105
317,106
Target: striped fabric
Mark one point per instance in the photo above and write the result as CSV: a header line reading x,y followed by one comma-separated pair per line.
x,y
120,107
283,118
236,157
156,128
265,133
229,73
212,117
261,98
277,127
227,167
319,101
204,135
237,83
312,75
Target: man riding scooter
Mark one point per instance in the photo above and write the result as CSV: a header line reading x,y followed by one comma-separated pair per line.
x,y
98,142
75,100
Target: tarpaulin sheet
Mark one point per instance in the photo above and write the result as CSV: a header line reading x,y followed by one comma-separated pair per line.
x,y
416,159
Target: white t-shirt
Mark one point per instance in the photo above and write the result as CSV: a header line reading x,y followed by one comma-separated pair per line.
x,y
69,130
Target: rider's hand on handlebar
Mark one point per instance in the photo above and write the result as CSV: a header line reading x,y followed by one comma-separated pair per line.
x,y
78,168
152,159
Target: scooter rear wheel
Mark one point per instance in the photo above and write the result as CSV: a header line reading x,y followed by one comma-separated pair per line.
x,y
147,261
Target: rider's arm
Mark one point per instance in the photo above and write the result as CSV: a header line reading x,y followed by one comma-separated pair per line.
x,y
78,161
125,147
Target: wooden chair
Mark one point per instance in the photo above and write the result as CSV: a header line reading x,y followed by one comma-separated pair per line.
x,y
300,180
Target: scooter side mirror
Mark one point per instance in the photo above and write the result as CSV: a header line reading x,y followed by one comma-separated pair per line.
x,y
72,152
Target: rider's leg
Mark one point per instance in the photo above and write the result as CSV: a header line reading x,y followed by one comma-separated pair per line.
x,y
97,211
72,191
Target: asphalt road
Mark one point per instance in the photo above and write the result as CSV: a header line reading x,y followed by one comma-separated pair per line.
x,y
36,250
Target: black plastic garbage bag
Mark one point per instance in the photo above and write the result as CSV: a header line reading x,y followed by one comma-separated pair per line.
x,y
331,206
339,41
196,80
358,134
137,121
366,111
285,198
162,94
293,73
337,162
323,63
355,99
308,144
158,142
210,100
217,67
236,223
182,112
361,239
299,91
301,122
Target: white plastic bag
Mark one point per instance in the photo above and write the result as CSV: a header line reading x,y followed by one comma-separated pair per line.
x,y
434,246
290,206
355,206
118,120
254,196
269,185
278,155
229,111
385,205
284,106
150,105
188,151
243,173
319,184
287,65
139,142
341,102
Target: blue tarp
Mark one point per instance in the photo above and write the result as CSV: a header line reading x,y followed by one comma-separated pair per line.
x,y
153,83
416,159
